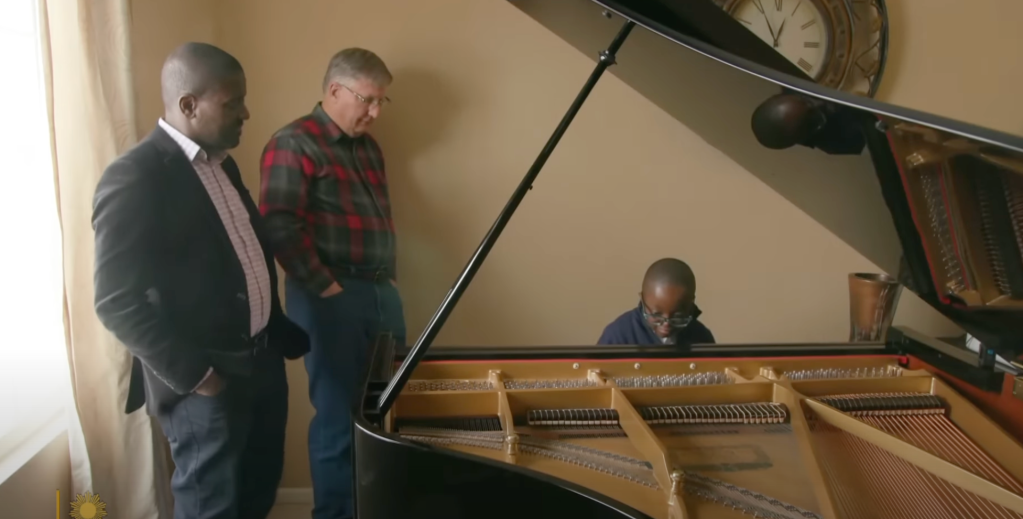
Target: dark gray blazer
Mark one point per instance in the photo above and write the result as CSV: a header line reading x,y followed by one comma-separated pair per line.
x,y
168,283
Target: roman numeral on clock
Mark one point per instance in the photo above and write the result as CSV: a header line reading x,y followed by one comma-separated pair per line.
x,y
811,44
804,64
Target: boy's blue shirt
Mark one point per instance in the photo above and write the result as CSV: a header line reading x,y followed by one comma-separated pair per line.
x,y
631,328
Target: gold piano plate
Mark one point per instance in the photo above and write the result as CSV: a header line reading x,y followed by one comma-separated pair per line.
x,y
849,437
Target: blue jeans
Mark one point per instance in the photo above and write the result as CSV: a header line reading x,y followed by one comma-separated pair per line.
x,y
341,328
228,449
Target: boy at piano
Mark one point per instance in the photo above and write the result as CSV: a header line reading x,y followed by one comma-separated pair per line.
x,y
666,313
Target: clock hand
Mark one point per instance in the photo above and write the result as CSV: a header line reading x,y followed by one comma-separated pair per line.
x,y
780,28
760,6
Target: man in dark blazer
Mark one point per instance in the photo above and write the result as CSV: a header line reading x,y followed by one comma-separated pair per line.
x,y
184,280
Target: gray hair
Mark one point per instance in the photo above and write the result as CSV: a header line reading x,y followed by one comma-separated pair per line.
x,y
355,63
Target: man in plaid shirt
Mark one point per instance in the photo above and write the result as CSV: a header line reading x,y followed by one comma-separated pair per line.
x,y
325,201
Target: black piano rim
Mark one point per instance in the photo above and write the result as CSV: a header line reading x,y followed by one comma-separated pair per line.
x,y
366,427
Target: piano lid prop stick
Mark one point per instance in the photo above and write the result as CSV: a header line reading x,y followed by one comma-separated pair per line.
x,y
390,393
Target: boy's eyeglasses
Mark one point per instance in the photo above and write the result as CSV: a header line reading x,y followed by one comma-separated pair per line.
x,y
676,320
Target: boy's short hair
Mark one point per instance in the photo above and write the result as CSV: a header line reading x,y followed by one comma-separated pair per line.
x,y
670,271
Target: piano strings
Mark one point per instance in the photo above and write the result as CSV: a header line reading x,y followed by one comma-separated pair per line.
x,y
939,217
571,383
970,205
1014,195
1001,194
690,379
871,482
744,500
833,373
606,462
649,381
449,385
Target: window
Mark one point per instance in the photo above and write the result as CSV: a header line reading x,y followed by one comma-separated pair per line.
x,y
34,376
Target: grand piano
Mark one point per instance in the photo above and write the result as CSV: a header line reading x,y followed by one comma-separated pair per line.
x,y
902,427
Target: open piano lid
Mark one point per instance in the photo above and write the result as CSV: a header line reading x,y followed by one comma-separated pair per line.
x,y
954,190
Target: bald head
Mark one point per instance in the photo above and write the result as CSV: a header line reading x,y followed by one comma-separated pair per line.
x,y
670,271
194,68
203,91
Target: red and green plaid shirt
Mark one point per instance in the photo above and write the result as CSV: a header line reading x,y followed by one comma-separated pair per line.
x,y
325,202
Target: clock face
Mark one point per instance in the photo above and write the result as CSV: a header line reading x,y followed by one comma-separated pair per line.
x,y
815,35
797,29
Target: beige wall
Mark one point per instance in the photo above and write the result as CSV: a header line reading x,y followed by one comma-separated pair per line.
x,y
479,86
158,26
32,490
963,60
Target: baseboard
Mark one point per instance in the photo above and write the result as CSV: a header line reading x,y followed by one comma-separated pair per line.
x,y
294,496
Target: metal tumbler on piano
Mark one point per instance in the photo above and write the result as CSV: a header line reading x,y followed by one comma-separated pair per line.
x,y
873,299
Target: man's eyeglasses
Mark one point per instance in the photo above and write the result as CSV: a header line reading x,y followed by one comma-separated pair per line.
x,y
676,320
367,100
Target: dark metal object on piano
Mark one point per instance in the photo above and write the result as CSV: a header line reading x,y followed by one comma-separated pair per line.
x,y
511,428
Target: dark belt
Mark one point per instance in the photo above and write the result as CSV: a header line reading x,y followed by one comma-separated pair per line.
x,y
260,343
376,275
240,362
253,346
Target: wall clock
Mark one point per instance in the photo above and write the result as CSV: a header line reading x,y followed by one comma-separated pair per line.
x,y
841,44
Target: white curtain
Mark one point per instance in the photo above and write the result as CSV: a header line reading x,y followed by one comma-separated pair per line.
x,y
120,457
